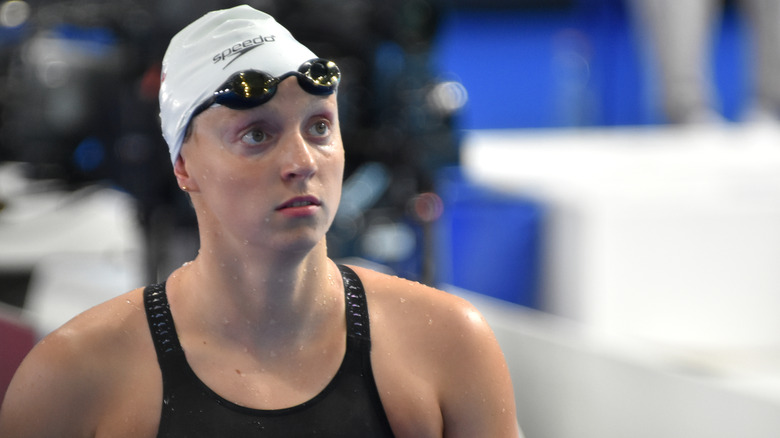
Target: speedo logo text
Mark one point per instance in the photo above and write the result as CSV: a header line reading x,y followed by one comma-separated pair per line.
x,y
238,49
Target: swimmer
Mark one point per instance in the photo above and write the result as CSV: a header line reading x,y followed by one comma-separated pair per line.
x,y
262,334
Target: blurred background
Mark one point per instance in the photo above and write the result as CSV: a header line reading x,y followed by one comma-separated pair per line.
x,y
600,177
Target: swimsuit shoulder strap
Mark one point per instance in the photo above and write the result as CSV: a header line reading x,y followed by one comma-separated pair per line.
x,y
357,307
158,316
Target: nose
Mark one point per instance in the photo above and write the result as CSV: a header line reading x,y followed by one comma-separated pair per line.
x,y
299,162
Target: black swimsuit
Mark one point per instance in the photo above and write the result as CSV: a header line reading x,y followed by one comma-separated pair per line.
x,y
349,406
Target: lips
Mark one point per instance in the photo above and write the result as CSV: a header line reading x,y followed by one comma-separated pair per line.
x,y
299,202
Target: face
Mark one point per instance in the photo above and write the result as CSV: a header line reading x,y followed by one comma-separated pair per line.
x,y
269,175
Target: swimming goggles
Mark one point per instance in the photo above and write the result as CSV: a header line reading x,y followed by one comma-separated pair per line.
x,y
251,88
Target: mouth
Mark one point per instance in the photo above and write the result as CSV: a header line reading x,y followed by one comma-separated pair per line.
x,y
300,201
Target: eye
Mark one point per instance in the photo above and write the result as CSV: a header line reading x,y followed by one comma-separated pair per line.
x,y
254,137
321,128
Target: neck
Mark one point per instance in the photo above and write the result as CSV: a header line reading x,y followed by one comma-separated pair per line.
x,y
278,296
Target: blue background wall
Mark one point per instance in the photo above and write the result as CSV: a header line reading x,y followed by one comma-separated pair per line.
x,y
574,66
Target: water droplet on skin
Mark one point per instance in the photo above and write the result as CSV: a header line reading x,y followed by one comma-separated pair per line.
x,y
403,300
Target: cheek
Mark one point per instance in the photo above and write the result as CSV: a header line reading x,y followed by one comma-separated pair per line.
x,y
332,176
227,186
336,169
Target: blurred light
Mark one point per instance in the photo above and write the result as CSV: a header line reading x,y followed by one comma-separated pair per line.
x,y
427,207
89,154
66,110
362,190
448,97
14,13
388,242
54,73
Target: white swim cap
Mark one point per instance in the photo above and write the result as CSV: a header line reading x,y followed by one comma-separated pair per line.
x,y
203,55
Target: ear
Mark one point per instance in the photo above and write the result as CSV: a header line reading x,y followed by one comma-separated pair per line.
x,y
183,178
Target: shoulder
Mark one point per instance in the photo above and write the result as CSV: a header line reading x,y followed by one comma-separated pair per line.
x,y
102,332
449,345
69,373
389,288
444,315
430,326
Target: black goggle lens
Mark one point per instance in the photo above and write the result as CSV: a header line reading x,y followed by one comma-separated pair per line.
x,y
319,76
245,90
251,88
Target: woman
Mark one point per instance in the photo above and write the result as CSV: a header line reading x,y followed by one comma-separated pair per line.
x,y
262,334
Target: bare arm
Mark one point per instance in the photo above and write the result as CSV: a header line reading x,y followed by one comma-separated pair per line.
x,y
48,395
477,396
